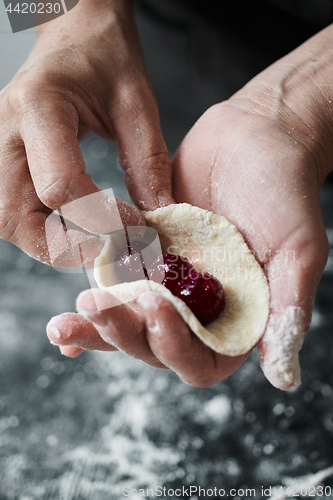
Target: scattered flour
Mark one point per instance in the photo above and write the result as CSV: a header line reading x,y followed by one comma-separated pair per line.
x,y
218,409
301,483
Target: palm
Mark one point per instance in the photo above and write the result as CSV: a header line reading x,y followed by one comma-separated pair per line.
x,y
254,173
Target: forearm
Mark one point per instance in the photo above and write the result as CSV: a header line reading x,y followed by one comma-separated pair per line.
x,y
84,14
90,18
297,91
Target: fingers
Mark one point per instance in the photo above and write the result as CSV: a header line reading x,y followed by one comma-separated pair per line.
x,y
52,174
49,130
156,334
71,351
143,152
178,348
24,219
46,107
25,222
293,277
117,323
73,334
153,332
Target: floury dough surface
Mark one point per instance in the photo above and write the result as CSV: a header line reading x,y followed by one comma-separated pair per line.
x,y
215,246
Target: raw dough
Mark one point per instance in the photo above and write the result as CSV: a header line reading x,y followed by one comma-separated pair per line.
x,y
215,246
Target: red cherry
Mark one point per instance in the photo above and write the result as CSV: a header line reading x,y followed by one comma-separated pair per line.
x,y
169,269
203,294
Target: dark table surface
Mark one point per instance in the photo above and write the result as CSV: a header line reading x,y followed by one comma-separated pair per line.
x,y
86,428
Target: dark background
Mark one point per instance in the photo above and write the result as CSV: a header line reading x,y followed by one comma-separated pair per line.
x,y
84,429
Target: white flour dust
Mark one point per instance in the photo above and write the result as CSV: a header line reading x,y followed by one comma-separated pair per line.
x,y
300,484
284,338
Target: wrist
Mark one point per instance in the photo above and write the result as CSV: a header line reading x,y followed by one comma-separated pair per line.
x,y
296,92
88,18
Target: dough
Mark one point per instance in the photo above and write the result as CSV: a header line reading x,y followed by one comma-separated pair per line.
x,y
215,246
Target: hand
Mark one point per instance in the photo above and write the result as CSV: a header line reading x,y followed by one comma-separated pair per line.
x,y
85,73
252,171
259,160
149,329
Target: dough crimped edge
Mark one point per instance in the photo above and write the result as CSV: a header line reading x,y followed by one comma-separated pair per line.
x,y
213,245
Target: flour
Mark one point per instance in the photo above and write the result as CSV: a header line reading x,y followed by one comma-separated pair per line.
x,y
218,409
301,484
283,340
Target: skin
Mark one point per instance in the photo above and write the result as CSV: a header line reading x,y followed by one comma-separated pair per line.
x,y
258,159
268,160
267,187
73,83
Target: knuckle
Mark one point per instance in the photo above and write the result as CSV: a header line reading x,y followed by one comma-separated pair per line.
x,y
156,165
135,97
23,91
55,193
31,88
8,223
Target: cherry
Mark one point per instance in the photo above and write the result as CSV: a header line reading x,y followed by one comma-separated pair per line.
x,y
169,269
202,293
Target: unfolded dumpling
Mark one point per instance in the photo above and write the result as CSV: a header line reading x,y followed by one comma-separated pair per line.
x,y
215,246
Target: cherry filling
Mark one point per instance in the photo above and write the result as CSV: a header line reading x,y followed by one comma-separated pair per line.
x,y
170,270
202,293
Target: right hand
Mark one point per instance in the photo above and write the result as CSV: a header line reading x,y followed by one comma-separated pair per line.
x,y
86,72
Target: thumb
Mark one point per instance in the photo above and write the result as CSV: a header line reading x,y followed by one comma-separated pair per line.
x,y
143,153
57,169
293,277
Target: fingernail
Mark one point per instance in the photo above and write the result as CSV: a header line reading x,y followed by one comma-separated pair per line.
x,y
283,340
130,215
53,334
91,302
152,324
149,302
86,302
